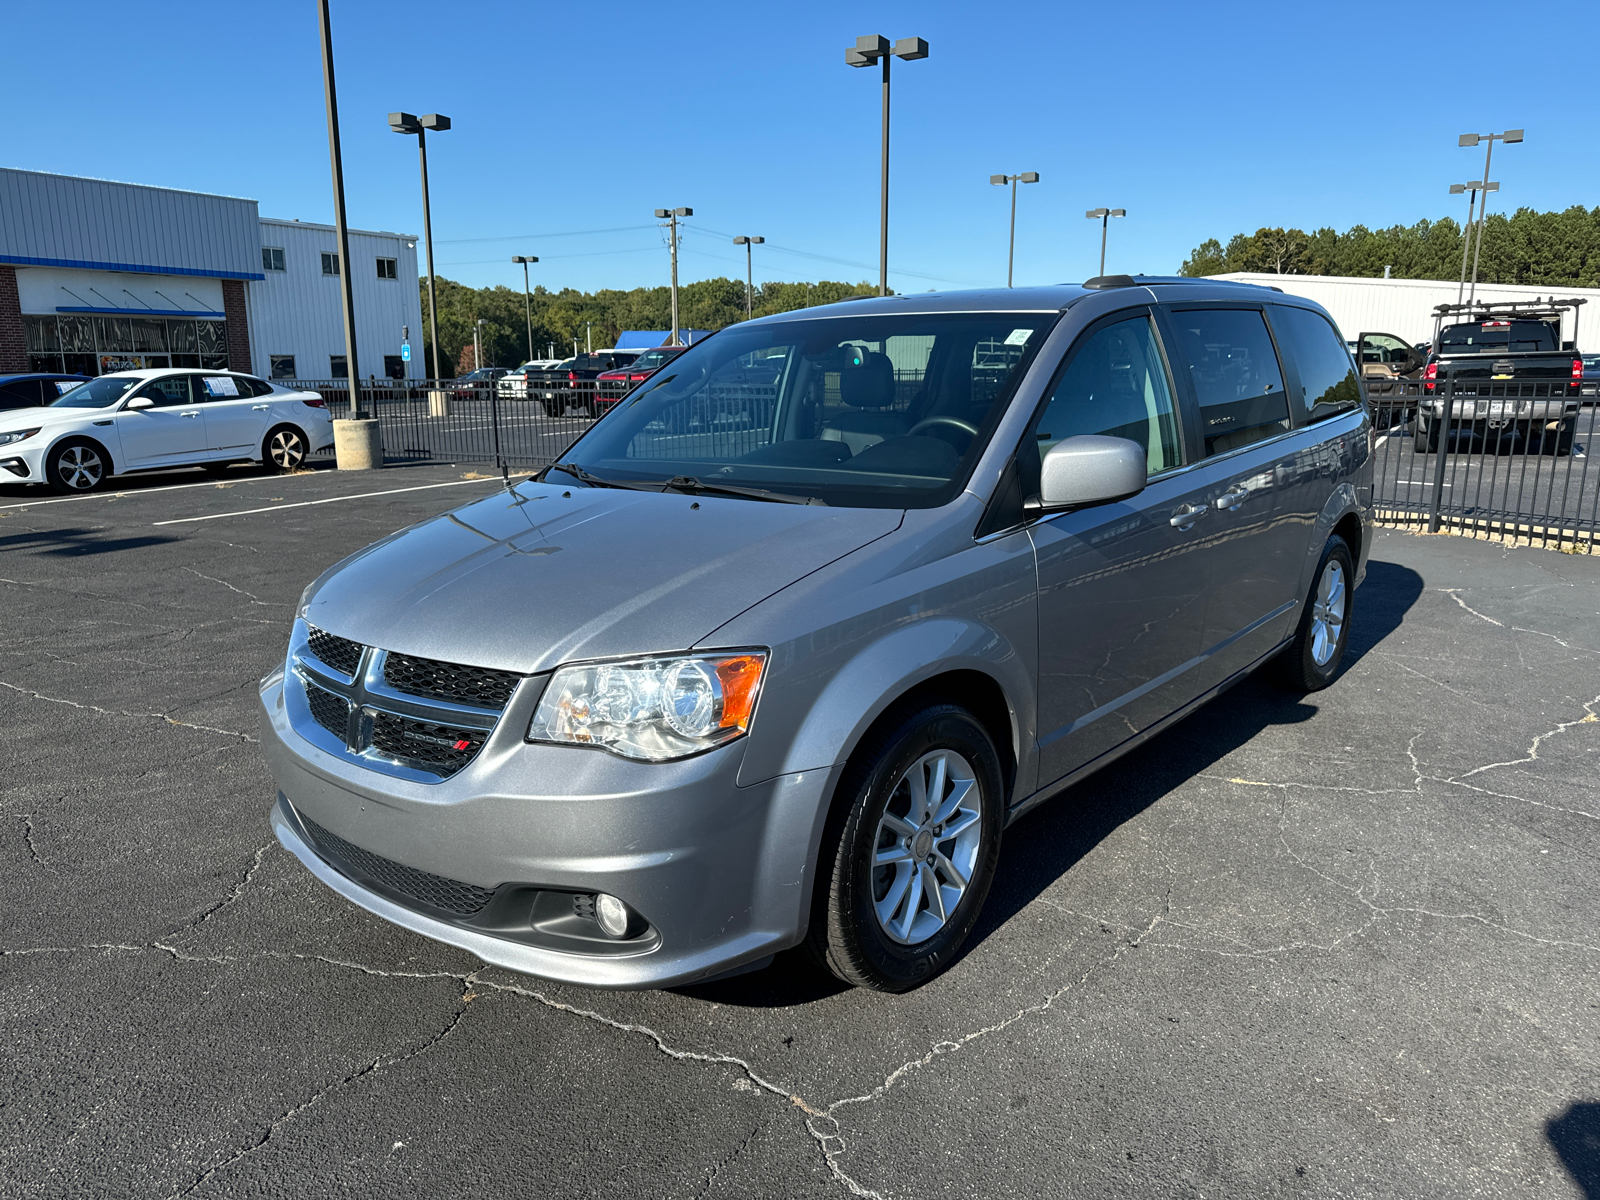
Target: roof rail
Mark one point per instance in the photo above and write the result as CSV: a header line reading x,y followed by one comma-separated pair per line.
x,y
1509,307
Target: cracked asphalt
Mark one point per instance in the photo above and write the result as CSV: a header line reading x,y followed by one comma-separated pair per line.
x,y
1342,945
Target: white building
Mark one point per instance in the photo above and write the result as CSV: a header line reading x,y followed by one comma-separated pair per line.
x,y
97,276
1404,307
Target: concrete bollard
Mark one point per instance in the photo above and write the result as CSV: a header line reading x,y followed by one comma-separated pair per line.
x,y
357,445
438,404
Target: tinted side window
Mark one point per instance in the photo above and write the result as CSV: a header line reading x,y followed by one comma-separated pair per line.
x,y
167,391
1327,375
1115,385
22,393
1236,378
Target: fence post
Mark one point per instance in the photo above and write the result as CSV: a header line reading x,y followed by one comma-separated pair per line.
x,y
494,423
1443,425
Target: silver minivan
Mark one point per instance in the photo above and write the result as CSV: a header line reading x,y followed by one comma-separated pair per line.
x,y
783,644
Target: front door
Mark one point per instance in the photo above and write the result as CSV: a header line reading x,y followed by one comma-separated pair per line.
x,y
1122,587
236,418
171,432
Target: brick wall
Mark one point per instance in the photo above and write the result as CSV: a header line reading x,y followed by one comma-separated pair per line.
x,y
238,326
13,341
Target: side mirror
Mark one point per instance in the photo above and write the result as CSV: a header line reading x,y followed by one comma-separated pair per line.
x,y
139,402
1089,469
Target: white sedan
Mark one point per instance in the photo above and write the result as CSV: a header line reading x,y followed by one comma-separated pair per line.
x,y
144,420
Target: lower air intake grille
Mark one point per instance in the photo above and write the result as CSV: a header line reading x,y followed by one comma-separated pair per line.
x,y
435,891
444,749
341,654
451,682
328,710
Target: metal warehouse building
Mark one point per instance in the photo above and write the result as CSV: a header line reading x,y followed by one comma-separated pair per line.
x,y
1404,307
98,276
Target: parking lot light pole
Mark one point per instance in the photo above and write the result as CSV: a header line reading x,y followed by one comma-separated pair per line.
x,y
341,230
477,343
671,215
869,49
1472,187
1472,139
749,274
1104,215
527,302
406,123
1013,180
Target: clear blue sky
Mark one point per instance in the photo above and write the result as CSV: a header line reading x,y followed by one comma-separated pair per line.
x,y
1200,119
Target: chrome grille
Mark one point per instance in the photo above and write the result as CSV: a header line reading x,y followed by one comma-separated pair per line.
x,y
341,654
329,710
444,749
451,682
435,891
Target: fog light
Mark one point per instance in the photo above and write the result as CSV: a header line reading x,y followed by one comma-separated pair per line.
x,y
612,915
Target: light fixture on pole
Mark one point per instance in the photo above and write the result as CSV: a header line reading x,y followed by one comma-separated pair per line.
x,y
527,301
749,274
1472,139
869,49
670,216
1013,180
405,123
1472,187
1104,215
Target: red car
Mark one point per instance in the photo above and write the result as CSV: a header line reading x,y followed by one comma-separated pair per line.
x,y
614,385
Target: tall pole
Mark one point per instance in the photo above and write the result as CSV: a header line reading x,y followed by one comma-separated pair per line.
x,y
1105,223
427,237
342,233
477,347
527,307
749,283
1483,211
1011,252
1466,244
673,233
883,197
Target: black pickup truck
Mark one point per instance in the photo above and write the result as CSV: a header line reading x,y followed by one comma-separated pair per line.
x,y
1498,370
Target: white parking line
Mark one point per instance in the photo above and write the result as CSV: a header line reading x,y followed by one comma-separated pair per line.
x,y
174,487
245,512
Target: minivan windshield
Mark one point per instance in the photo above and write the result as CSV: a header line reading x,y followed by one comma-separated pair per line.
x,y
1484,337
854,411
97,393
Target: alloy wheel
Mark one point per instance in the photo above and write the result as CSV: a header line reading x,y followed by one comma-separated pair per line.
x,y
81,469
1327,614
287,449
926,847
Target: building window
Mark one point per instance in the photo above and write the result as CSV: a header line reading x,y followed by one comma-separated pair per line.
x,y
283,366
330,263
386,269
337,368
394,367
272,258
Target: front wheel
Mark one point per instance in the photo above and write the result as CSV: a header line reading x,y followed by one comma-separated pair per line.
x,y
910,850
76,466
284,449
1310,662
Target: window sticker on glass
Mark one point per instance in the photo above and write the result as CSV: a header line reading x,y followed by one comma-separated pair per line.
x,y
221,385
63,386
1018,337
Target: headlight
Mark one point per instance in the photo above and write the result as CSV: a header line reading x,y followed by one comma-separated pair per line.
x,y
654,709
17,435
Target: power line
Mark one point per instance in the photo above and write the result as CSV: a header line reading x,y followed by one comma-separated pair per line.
x,y
517,237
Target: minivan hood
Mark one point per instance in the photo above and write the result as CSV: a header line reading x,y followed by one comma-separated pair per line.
x,y
547,576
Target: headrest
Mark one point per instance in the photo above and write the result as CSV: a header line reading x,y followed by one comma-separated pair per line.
x,y
871,385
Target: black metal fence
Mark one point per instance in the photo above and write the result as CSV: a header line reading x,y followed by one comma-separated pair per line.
x,y
1491,458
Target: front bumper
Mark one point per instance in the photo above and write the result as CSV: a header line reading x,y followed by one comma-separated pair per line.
x,y
721,873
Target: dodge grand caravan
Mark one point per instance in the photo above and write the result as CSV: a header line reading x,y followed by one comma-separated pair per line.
x,y
779,649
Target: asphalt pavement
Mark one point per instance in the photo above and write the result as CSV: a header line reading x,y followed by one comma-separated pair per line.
x,y
1341,945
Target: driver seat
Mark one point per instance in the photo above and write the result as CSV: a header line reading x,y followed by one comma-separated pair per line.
x,y
869,391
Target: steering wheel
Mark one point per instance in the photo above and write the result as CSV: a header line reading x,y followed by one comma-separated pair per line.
x,y
966,427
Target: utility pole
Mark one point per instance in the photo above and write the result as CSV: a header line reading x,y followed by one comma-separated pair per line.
x,y
527,303
1472,139
671,215
342,233
749,274
869,49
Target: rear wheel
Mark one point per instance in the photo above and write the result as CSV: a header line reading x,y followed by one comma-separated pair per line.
x,y
284,449
910,850
1310,662
1425,439
75,466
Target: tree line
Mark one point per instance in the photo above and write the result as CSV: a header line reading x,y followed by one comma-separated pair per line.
x,y
1543,249
561,318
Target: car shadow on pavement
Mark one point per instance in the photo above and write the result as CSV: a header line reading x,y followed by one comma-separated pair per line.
x,y
73,543
1575,1136
1050,841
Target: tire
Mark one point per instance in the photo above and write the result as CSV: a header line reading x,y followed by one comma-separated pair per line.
x,y
876,812
1311,661
77,466
1561,443
1424,439
284,449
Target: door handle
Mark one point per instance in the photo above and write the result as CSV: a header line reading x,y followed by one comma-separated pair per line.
x,y
1187,514
189,414
260,407
1229,501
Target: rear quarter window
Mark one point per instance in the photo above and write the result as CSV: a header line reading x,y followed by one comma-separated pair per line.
x,y
1328,384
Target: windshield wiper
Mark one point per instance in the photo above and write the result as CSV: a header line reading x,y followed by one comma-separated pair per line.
x,y
583,476
688,483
